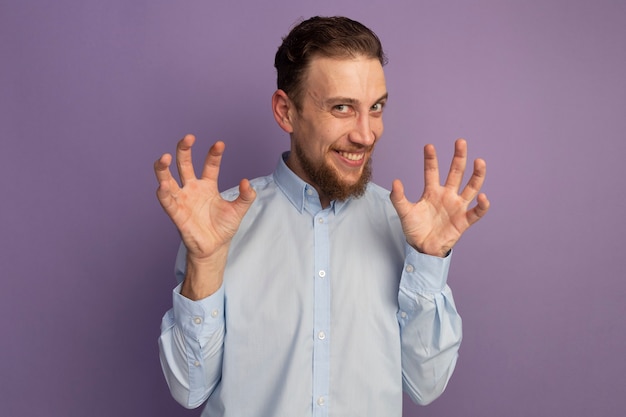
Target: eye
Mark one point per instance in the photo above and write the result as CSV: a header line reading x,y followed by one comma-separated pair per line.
x,y
377,108
343,110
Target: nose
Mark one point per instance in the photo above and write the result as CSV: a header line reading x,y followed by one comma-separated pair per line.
x,y
363,134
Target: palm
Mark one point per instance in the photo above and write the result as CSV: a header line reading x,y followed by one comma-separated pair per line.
x,y
436,222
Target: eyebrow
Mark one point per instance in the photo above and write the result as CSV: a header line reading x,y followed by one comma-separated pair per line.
x,y
348,100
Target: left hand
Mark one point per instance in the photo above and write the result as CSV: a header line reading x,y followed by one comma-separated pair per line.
x,y
436,222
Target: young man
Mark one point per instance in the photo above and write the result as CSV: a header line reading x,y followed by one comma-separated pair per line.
x,y
312,292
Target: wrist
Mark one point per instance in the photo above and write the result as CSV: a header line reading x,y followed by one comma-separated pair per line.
x,y
438,251
204,276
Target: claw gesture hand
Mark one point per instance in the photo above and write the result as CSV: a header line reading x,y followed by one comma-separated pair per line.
x,y
205,221
435,223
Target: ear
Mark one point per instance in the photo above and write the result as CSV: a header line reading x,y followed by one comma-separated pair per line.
x,y
283,108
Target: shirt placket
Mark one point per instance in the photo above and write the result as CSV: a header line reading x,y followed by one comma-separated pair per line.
x,y
321,331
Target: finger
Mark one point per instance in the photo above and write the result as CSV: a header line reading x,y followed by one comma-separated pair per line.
x,y
397,197
183,159
457,167
478,211
167,184
213,161
476,181
162,168
165,197
245,198
431,167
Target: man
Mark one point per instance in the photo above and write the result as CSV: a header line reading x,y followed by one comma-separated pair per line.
x,y
312,292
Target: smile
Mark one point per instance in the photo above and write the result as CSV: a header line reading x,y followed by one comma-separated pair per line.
x,y
352,156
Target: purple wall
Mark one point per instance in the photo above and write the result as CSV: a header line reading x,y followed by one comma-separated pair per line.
x,y
91,93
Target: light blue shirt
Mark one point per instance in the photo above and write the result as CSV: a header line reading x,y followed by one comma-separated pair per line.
x,y
323,312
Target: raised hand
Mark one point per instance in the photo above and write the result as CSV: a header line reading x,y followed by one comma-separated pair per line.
x,y
206,222
435,223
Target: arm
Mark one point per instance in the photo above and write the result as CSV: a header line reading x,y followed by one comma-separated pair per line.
x,y
206,222
191,341
191,347
430,327
429,323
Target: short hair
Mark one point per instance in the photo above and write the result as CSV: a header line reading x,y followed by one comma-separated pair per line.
x,y
330,37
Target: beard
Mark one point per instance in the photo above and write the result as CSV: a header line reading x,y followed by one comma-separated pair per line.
x,y
328,180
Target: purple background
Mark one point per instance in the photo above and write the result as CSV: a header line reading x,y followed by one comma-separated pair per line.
x,y
93,92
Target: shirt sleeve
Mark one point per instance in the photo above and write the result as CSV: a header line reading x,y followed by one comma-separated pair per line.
x,y
430,326
191,347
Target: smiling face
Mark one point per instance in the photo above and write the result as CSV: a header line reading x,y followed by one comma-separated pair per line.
x,y
339,121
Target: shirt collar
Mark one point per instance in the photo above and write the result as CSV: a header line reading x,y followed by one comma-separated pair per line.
x,y
296,190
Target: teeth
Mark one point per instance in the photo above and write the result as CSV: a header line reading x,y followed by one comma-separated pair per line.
x,y
352,156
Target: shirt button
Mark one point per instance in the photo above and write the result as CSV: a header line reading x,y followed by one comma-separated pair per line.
x,y
196,364
309,191
321,401
197,320
320,220
321,335
409,268
214,313
322,273
403,314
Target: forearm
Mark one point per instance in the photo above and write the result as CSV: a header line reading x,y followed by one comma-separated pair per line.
x,y
191,347
430,328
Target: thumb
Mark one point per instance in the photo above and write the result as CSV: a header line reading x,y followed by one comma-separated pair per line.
x,y
397,197
246,196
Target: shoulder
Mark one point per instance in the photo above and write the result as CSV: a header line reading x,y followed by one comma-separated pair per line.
x,y
376,202
260,185
377,196
377,192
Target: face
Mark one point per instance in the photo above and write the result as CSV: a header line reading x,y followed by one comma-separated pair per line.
x,y
339,122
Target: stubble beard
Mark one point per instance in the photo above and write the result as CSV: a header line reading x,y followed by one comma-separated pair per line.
x,y
328,180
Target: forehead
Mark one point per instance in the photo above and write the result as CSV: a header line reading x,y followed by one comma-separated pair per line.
x,y
360,78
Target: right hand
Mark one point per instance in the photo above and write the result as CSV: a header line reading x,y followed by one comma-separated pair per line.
x,y
206,222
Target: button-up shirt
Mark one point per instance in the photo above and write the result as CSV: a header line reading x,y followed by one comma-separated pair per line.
x,y
322,312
